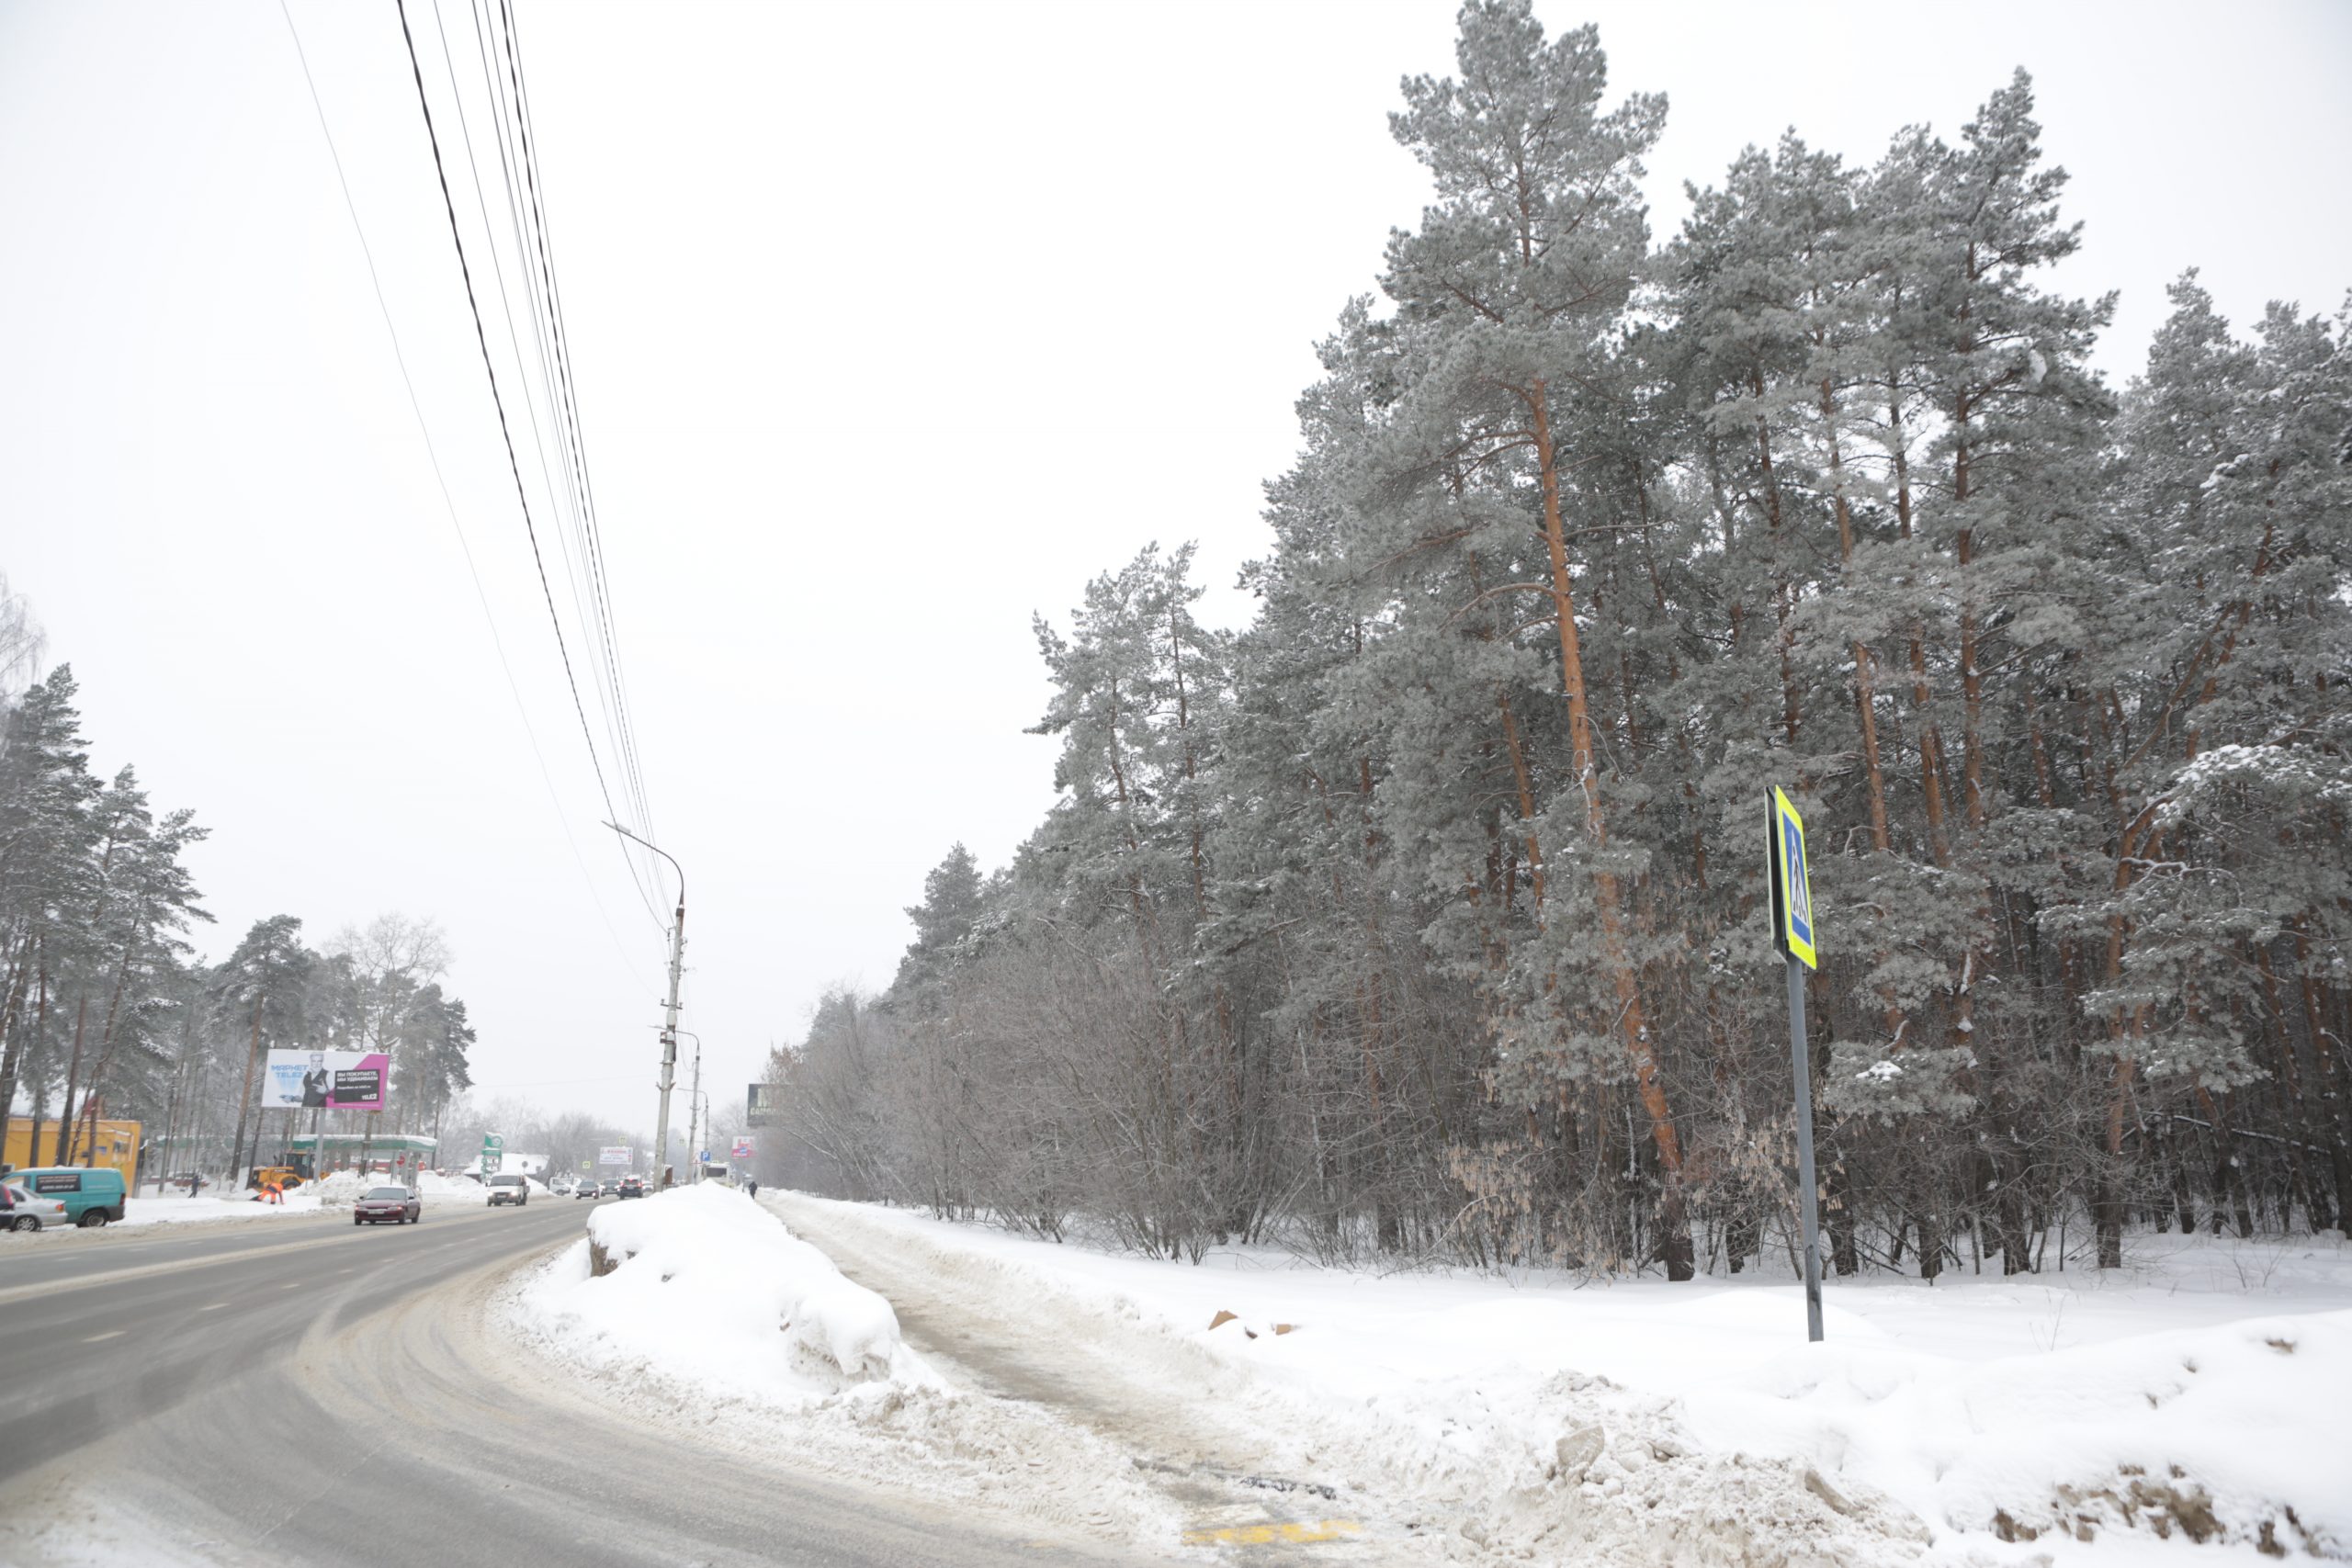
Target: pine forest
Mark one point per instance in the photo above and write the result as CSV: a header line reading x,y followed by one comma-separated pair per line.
x,y
1424,916
107,1010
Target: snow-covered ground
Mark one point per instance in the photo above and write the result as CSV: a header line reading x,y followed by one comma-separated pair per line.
x,y
169,1210
2186,1411
699,1284
714,1314
2198,1395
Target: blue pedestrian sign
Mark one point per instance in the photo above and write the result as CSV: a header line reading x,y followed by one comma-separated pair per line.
x,y
1792,926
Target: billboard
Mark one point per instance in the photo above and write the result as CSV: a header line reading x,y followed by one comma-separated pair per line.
x,y
617,1156
742,1149
333,1080
756,1105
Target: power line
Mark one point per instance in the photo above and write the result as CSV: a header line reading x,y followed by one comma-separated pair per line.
x,y
534,241
432,456
530,406
515,466
600,581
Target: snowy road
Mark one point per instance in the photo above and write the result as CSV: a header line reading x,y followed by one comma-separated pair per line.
x,y
329,1394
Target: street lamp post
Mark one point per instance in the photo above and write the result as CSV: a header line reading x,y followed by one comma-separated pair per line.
x,y
697,1128
669,1018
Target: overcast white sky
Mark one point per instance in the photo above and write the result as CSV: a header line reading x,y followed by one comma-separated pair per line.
x,y
891,323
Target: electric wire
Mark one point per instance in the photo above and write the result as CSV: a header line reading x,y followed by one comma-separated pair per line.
x,y
530,405
514,464
525,211
528,224
600,578
433,457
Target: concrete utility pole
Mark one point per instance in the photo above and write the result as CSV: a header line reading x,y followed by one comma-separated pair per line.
x,y
697,1129
670,1016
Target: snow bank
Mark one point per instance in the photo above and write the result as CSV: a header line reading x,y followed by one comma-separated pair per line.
x,y
704,1287
169,1210
446,1192
2188,1413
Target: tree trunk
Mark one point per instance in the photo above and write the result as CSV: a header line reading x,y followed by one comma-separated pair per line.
x,y
245,1099
1674,1222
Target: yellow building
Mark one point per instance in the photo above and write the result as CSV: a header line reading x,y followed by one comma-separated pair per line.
x,y
116,1147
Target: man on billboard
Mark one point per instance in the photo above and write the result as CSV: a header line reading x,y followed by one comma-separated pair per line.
x,y
315,1082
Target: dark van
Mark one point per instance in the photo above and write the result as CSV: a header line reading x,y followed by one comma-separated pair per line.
x,y
92,1196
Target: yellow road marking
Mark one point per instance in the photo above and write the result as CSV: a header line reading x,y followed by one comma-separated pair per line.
x,y
1290,1532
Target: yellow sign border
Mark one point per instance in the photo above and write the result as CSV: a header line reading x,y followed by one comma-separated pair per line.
x,y
1784,888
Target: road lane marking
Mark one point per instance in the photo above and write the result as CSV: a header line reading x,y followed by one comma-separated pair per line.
x,y
110,1334
295,1286
216,1306
1290,1532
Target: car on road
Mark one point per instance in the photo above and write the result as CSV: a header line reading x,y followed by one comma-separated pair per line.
x,y
20,1211
587,1190
631,1186
397,1204
509,1189
93,1196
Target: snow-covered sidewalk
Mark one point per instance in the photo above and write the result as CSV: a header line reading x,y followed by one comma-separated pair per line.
x,y
2188,1411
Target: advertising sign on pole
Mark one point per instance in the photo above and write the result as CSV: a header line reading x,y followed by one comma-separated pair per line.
x,y
742,1148
616,1154
755,1106
331,1080
1794,934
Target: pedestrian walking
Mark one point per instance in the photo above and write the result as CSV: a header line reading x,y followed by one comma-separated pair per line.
x,y
754,1185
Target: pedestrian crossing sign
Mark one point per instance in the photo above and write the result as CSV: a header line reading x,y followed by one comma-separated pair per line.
x,y
1793,926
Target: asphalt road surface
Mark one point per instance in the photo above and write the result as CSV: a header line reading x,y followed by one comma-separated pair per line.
x,y
295,1391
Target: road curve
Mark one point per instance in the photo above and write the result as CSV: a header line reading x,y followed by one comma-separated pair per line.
x,y
330,1394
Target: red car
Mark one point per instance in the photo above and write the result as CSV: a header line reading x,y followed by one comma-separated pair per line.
x,y
397,1204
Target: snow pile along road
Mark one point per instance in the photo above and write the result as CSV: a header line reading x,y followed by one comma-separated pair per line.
x,y
2188,1414
700,1285
441,1192
711,1316
169,1209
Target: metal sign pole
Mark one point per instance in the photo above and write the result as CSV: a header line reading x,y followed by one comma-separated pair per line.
x,y
1808,1204
1795,935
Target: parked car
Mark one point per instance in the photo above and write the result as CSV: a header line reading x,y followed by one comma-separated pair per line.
x,y
20,1211
397,1204
631,1186
92,1195
509,1189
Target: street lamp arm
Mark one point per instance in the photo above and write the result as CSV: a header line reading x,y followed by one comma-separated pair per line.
x,y
659,850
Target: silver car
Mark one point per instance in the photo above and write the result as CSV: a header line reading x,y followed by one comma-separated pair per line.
x,y
23,1211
